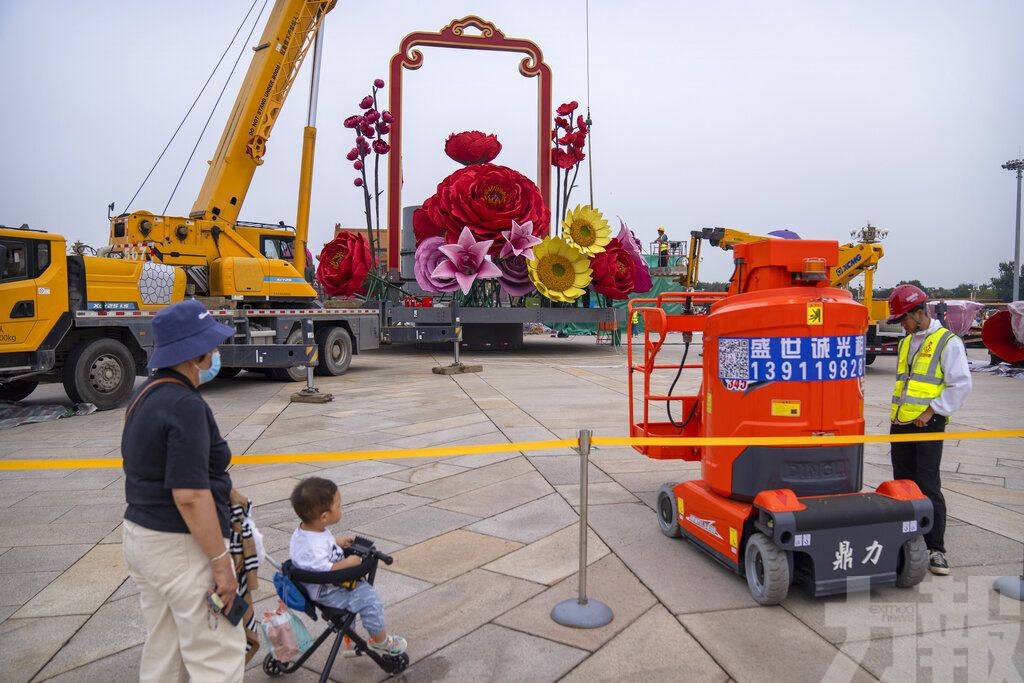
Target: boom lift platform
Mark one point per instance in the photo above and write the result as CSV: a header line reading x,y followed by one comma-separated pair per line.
x,y
783,355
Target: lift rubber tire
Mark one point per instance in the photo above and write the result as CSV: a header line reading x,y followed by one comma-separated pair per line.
x,y
271,666
334,347
228,373
296,373
767,569
913,563
668,511
17,390
101,372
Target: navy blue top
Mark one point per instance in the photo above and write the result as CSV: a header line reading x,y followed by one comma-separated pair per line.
x,y
171,441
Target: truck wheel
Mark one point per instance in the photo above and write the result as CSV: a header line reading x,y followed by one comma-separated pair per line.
x,y
228,373
101,372
913,563
17,390
296,373
870,358
334,347
668,511
767,569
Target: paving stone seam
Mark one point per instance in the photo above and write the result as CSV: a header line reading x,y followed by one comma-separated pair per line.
x,y
69,638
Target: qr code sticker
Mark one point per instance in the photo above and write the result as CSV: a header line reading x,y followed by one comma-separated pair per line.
x,y
734,358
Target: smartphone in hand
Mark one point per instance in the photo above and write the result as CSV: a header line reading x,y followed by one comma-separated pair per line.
x,y
237,611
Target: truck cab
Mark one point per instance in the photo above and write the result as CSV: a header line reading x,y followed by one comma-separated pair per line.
x,y
33,304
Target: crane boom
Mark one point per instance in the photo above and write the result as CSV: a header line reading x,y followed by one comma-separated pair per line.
x,y
222,256
289,33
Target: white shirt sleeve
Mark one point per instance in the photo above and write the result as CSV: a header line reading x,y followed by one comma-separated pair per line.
x,y
314,552
956,373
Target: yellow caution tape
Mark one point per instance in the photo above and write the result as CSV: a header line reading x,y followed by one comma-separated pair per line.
x,y
801,440
451,451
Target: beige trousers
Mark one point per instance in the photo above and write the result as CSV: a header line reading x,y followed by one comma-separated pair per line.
x,y
173,576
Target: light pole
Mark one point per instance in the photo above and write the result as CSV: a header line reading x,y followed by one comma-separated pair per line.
x,y
1018,166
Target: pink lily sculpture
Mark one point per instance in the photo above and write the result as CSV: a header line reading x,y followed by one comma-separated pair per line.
x,y
466,261
519,241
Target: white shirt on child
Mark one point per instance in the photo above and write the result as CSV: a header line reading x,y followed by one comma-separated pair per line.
x,y
314,551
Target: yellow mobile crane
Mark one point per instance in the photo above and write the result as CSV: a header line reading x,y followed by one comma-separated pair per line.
x,y
222,257
856,258
86,321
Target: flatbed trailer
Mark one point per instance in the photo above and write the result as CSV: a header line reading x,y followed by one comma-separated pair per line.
x,y
482,327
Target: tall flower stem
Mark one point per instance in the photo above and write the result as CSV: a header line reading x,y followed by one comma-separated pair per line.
x,y
558,198
570,185
376,172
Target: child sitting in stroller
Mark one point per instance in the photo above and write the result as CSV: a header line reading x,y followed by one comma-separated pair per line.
x,y
317,502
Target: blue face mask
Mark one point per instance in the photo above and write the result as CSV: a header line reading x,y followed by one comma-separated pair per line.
x,y
207,374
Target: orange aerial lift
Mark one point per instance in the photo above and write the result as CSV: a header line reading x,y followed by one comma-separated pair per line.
x,y
783,355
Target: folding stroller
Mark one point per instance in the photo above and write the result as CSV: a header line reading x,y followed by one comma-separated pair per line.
x,y
339,621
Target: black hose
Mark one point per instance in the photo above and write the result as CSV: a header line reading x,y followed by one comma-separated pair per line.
x,y
668,403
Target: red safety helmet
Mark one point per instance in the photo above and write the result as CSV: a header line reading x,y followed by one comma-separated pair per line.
x,y
903,299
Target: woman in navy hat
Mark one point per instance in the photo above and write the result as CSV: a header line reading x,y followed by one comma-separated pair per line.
x,y
177,521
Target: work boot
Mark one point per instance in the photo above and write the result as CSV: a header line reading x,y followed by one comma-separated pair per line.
x,y
937,563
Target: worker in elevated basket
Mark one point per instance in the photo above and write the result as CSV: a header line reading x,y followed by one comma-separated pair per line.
x,y
662,247
932,381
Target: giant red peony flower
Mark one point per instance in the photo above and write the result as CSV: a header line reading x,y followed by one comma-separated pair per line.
x,y
344,263
472,147
614,271
486,198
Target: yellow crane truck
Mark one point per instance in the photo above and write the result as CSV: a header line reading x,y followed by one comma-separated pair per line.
x,y
86,321
860,257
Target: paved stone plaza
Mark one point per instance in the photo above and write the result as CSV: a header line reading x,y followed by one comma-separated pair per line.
x,y
486,545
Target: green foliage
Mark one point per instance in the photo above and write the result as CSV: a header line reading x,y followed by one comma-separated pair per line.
x,y
1002,284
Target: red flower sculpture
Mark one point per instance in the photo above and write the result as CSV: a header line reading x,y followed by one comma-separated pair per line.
x,y
486,198
614,271
472,147
344,264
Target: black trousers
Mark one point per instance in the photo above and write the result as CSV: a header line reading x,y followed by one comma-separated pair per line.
x,y
663,259
919,462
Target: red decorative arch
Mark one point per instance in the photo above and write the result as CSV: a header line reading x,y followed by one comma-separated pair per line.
x,y
453,36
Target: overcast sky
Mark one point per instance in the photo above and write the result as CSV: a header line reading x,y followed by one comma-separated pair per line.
x,y
813,116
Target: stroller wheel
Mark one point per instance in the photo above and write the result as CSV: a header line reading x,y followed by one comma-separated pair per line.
x,y
394,664
271,666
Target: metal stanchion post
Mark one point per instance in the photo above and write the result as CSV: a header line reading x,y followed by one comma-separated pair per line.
x,y
456,368
310,394
583,612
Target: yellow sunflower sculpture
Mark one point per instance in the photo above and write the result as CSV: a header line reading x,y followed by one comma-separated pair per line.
x,y
559,270
587,229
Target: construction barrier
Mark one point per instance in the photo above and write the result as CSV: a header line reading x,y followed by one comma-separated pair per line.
x,y
526,446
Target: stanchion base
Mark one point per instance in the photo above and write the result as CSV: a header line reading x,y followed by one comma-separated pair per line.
x,y
314,396
456,369
593,614
1010,586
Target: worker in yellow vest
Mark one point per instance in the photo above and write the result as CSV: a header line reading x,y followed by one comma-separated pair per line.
x,y
933,380
662,247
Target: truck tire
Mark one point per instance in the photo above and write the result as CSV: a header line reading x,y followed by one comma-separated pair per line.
x,y
767,569
913,563
101,372
334,347
228,373
869,358
296,373
17,390
668,512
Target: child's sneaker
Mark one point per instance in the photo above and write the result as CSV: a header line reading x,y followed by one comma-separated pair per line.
x,y
392,645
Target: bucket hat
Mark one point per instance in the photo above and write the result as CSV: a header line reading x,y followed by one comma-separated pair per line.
x,y
183,331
